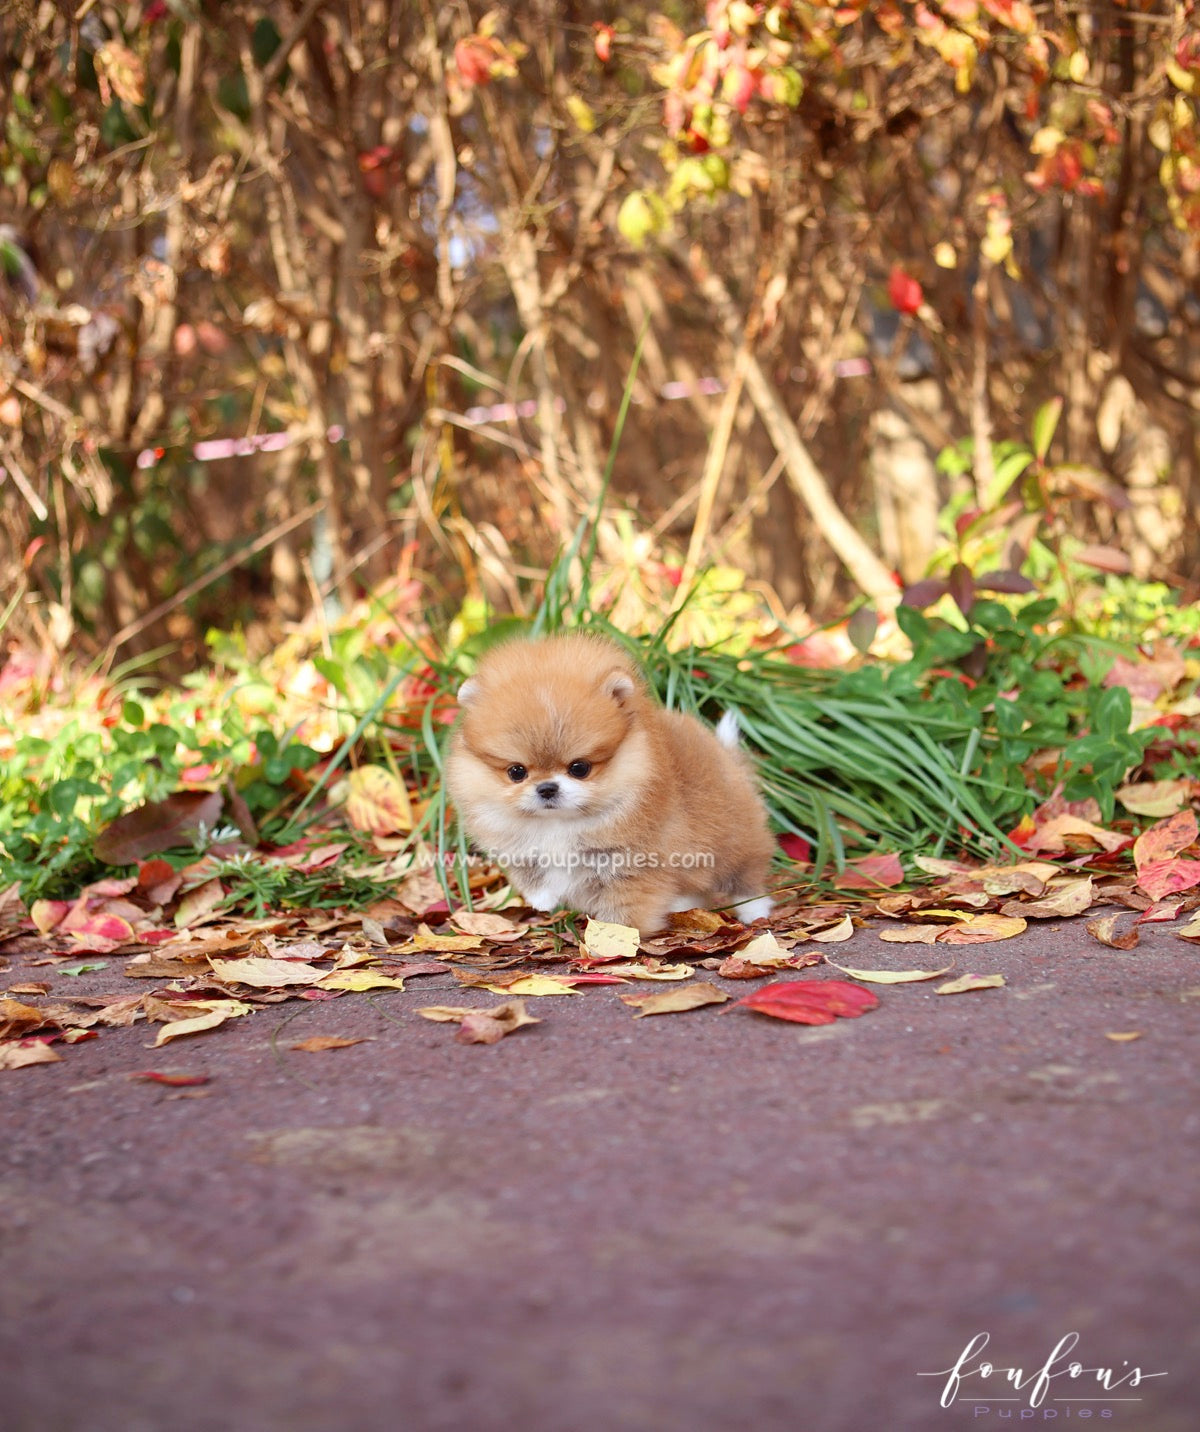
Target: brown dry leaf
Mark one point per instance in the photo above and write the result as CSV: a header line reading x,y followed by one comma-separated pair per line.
x,y
1190,932
1064,897
982,930
19,1055
764,950
486,925
318,1043
33,987
674,1001
892,976
964,983
912,934
214,1012
1063,834
481,1026
259,972
696,922
18,1018
1105,929
1124,1036
198,905
603,940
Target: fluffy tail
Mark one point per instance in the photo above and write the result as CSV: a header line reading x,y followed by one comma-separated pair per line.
x,y
727,731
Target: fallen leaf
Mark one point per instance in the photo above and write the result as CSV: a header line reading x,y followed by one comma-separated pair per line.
x,y
912,934
605,941
1063,898
46,914
1154,798
964,983
199,903
1190,932
216,1013
1160,878
158,825
27,1051
18,1018
83,968
1105,929
516,983
891,976
485,924
810,1001
482,1026
674,1001
1124,1037
176,1081
835,934
1064,833
982,930
377,801
262,973
652,970
359,980
872,872
318,1043
425,942
1166,838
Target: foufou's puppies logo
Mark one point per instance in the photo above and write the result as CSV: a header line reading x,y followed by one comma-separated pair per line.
x,y
1061,1386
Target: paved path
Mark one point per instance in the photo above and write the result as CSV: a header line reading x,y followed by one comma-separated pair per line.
x,y
693,1222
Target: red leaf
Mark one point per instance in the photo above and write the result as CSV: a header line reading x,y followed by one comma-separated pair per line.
x,y
158,825
603,42
1166,838
795,847
904,291
872,872
811,1001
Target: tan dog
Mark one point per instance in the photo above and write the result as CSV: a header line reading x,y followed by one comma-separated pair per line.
x,y
567,772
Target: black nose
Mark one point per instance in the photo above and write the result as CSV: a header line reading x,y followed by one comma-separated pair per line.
x,y
548,790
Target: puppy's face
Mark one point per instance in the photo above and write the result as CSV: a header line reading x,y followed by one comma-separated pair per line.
x,y
549,733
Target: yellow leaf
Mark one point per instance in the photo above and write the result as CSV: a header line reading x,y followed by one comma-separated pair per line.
x,y
425,939
764,950
217,1011
637,971
970,982
582,113
1154,798
263,973
20,1056
982,930
485,925
912,934
891,976
377,801
944,256
836,933
537,985
1124,1037
674,1001
359,980
605,941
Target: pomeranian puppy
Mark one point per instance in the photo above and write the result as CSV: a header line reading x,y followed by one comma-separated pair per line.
x,y
567,772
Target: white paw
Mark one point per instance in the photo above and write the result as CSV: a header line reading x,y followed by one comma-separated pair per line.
x,y
757,909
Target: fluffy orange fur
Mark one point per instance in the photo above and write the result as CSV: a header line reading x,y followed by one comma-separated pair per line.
x,y
566,770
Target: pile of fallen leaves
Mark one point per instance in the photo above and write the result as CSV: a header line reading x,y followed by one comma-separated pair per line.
x,y
202,966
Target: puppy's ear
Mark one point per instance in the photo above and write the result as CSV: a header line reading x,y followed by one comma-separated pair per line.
x,y
620,685
468,691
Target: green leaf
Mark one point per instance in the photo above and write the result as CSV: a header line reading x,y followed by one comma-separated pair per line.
x,y
1044,423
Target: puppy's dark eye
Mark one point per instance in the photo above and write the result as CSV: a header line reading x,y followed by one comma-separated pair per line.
x,y
517,772
579,769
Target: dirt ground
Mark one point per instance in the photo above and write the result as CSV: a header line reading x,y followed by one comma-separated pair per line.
x,y
692,1222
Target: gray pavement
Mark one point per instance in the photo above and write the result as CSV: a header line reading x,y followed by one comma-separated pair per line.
x,y
694,1222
